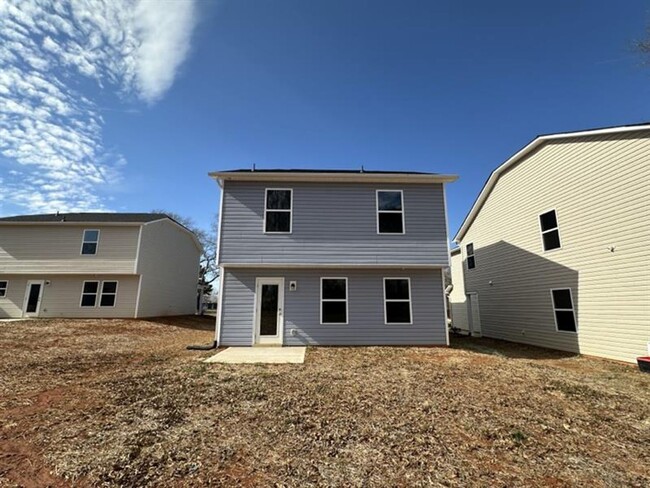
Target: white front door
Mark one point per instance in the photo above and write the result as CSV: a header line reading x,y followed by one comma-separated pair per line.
x,y
269,303
33,296
474,314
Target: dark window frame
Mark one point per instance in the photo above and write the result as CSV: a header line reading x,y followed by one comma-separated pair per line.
x,y
387,212
84,293
85,241
563,309
104,293
550,230
278,210
470,259
398,300
335,300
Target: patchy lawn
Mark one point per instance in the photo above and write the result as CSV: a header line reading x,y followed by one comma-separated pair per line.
x,y
119,402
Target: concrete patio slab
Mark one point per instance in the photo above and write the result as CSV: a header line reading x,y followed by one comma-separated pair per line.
x,y
260,355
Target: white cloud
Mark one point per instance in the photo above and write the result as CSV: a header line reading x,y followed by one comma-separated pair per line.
x,y
49,129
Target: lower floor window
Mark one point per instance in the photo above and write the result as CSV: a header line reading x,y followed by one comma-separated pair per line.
x,y
565,318
89,293
3,288
91,290
334,301
397,300
109,293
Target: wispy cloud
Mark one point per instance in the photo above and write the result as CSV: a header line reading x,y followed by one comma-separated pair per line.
x,y
53,156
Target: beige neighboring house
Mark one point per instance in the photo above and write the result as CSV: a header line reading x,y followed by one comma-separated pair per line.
x,y
555,251
97,265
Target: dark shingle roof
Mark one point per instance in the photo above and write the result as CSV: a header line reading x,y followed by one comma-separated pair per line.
x,y
139,218
348,171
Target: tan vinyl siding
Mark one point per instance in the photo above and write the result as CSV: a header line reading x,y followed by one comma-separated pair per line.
x,y
62,297
43,249
457,297
600,189
169,265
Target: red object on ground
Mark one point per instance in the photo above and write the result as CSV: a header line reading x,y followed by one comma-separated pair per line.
x,y
644,363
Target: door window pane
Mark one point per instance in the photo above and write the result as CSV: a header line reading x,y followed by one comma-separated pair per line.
x,y
269,310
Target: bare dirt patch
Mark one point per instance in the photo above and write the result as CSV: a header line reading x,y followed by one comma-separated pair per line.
x,y
119,402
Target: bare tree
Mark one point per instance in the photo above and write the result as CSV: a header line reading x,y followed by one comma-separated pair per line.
x,y
208,240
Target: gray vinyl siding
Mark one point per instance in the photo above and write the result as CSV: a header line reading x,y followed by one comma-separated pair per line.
x,y
600,189
365,308
169,265
333,223
38,249
62,297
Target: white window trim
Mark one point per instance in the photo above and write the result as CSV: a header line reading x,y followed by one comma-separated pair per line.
x,y
290,210
403,211
84,241
542,232
386,300
101,293
347,305
467,255
83,287
5,288
572,309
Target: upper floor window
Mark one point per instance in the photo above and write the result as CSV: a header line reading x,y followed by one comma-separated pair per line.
x,y
277,211
397,300
390,212
565,318
469,252
90,242
334,301
3,288
550,230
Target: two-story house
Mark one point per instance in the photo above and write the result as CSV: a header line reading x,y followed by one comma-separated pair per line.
x,y
332,258
97,265
554,252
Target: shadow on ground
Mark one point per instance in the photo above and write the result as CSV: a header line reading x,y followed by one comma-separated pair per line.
x,y
193,322
506,349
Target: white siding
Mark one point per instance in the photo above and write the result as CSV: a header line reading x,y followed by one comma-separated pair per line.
x,y
457,297
600,188
44,249
62,297
169,265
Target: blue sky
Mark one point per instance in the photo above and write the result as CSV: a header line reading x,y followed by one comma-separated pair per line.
x,y
122,105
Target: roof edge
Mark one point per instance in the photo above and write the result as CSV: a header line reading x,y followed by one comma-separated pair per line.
x,y
537,141
332,177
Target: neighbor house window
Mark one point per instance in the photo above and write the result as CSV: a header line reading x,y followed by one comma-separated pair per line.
x,y
550,231
89,293
334,301
277,211
109,293
90,242
397,300
565,318
390,212
3,288
471,260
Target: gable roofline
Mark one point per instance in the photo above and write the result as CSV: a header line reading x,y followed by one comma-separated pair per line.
x,y
104,219
330,176
531,146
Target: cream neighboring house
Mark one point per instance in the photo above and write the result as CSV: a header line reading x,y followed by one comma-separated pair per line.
x,y
555,251
89,265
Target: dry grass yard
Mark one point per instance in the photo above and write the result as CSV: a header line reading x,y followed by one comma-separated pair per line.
x,y
121,402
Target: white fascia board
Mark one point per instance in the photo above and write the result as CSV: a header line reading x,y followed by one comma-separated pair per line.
x,y
333,177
